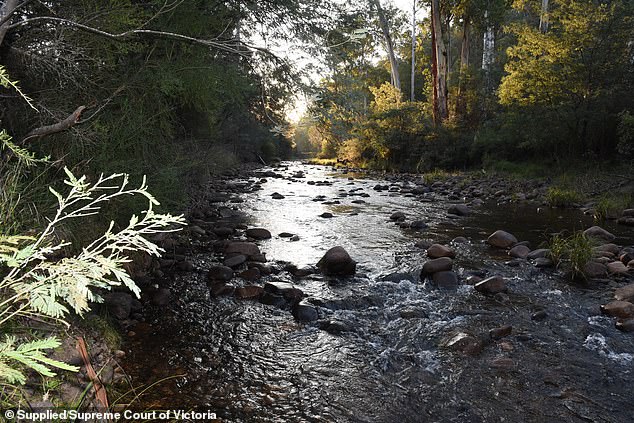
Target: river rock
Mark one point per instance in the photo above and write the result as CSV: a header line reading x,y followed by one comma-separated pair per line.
x,y
617,268
592,269
501,332
223,231
248,249
418,225
611,248
258,233
220,289
501,239
396,216
544,262
539,253
599,233
197,230
519,251
459,210
491,286
626,257
277,196
627,221
285,289
436,265
423,244
445,279
337,262
249,292
305,312
473,279
626,325
622,309
326,215
438,250
463,343
235,261
119,304
220,273
624,293
251,274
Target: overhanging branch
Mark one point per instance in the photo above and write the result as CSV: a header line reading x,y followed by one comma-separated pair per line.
x,y
63,125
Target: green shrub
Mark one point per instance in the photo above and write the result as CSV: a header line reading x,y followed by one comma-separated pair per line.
x,y
610,206
562,197
571,253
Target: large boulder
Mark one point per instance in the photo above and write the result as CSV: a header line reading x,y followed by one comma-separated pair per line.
x,y
599,233
501,239
337,262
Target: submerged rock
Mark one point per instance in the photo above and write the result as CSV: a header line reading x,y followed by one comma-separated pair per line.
x,y
445,279
539,253
337,262
459,210
501,239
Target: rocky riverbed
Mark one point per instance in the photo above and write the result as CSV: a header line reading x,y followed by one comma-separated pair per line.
x,y
303,293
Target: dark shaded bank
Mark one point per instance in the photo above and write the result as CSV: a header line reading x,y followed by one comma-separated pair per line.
x,y
258,333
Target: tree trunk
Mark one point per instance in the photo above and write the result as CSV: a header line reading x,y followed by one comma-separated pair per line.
x,y
385,28
5,10
461,107
413,70
439,67
488,51
543,17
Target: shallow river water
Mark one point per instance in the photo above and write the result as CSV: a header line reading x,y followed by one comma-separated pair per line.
x,y
378,352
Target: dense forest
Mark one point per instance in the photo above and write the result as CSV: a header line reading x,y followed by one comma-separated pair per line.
x,y
493,81
116,113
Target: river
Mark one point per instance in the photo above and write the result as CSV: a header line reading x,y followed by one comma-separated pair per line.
x,y
381,349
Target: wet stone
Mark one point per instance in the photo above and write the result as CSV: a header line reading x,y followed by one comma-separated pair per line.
x,y
445,279
519,251
624,293
626,325
305,312
438,250
501,239
622,309
258,233
249,292
543,262
539,253
491,286
235,261
459,210
436,265
501,332
337,262
539,315
617,268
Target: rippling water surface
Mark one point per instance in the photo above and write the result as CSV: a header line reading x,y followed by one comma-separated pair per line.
x,y
377,354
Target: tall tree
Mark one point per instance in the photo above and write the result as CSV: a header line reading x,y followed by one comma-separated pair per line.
x,y
488,49
439,65
389,45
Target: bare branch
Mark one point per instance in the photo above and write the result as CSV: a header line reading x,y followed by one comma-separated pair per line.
x,y
63,125
126,35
